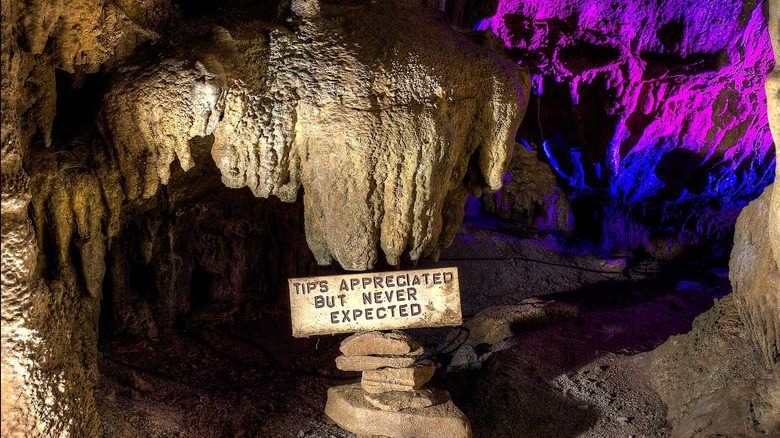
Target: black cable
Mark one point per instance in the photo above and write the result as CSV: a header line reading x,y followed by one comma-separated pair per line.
x,y
446,348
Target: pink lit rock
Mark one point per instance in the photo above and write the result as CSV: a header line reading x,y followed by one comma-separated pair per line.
x,y
645,78
658,103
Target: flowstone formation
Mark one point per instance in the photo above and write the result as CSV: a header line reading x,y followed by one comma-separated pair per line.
x,y
389,400
385,116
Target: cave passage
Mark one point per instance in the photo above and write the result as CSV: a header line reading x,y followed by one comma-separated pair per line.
x,y
601,173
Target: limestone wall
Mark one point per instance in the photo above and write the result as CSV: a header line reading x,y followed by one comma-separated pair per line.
x,y
722,377
644,111
755,260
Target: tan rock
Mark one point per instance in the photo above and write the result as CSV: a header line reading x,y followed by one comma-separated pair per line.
x,y
145,153
396,379
755,277
365,363
400,400
140,384
495,324
290,128
377,343
309,129
348,407
712,380
89,33
534,187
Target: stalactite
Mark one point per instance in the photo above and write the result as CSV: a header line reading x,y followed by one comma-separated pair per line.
x,y
158,108
378,135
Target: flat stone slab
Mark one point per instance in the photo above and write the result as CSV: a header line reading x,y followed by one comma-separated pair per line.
x,y
365,363
397,379
348,407
495,324
394,343
400,400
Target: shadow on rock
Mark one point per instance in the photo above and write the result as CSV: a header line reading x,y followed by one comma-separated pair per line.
x,y
512,399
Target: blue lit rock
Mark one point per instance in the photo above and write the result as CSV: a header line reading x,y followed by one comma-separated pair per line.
x,y
722,377
645,111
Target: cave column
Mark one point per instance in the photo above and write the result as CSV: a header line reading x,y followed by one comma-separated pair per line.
x,y
49,329
19,397
755,260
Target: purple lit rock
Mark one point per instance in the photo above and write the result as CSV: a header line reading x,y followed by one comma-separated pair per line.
x,y
639,80
531,195
657,102
721,378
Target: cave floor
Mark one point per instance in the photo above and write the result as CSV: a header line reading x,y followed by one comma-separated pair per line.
x,y
243,375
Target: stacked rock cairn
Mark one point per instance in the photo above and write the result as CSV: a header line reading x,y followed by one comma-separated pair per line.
x,y
389,400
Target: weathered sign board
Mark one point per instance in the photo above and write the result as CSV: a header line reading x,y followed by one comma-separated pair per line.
x,y
375,301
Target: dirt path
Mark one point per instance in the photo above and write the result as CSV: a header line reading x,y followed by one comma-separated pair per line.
x,y
248,377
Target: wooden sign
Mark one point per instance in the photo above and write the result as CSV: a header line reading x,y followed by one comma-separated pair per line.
x,y
375,301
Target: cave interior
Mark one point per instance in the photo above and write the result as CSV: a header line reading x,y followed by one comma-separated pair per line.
x,y
601,169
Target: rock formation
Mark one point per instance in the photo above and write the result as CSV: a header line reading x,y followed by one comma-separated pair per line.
x,y
378,118
755,276
773,108
736,345
713,381
389,400
378,126
755,261
643,110
531,195
492,328
383,113
49,324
